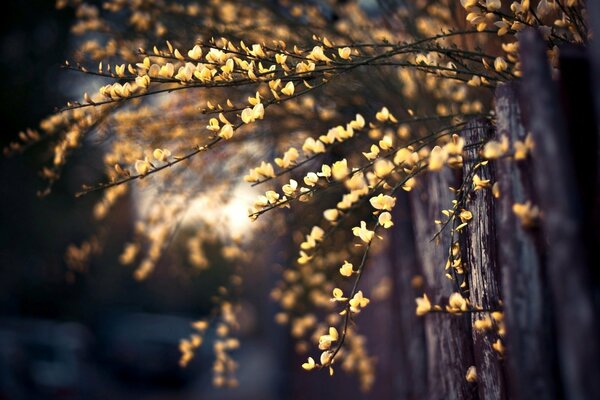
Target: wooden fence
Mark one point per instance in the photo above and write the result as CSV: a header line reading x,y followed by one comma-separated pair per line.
x,y
544,277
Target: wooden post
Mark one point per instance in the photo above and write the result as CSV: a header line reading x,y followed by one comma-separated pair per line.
x,y
530,353
568,267
380,327
409,345
479,253
447,337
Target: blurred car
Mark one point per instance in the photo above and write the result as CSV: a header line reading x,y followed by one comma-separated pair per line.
x,y
10,387
145,347
41,359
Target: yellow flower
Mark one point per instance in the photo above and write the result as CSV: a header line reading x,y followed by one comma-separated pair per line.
x,y
304,258
290,188
166,71
325,171
494,149
142,167
522,148
496,190
257,51
317,54
483,324
498,316
254,100
371,155
161,154
204,74
326,357
358,122
272,196
527,213
471,375
213,125
498,346
363,233
228,67
195,53
310,364
479,183
465,215
258,111
331,214
493,5
185,74
358,301
383,168
226,132
383,202
288,90
280,58
386,143
437,158
326,340
475,81
200,325
346,269
311,179
317,233
385,220
247,115
143,81
423,305
339,169
338,295
313,146
383,115
344,52
409,184
266,169
289,158
468,3
403,155
500,64
129,253
456,303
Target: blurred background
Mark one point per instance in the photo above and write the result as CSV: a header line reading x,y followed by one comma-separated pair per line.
x,y
97,334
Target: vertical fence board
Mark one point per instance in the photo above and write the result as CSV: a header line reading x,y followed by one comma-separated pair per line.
x,y
529,352
409,349
379,325
577,100
448,337
479,252
568,268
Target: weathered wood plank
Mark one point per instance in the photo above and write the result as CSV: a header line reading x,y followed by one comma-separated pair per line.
x,y
479,253
568,268
528,338
409,350
379,326
447,337
577,99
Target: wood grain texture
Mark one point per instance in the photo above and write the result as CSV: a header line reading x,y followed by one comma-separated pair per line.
x,y
409,350
568,266
479,254
530,354
448,337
